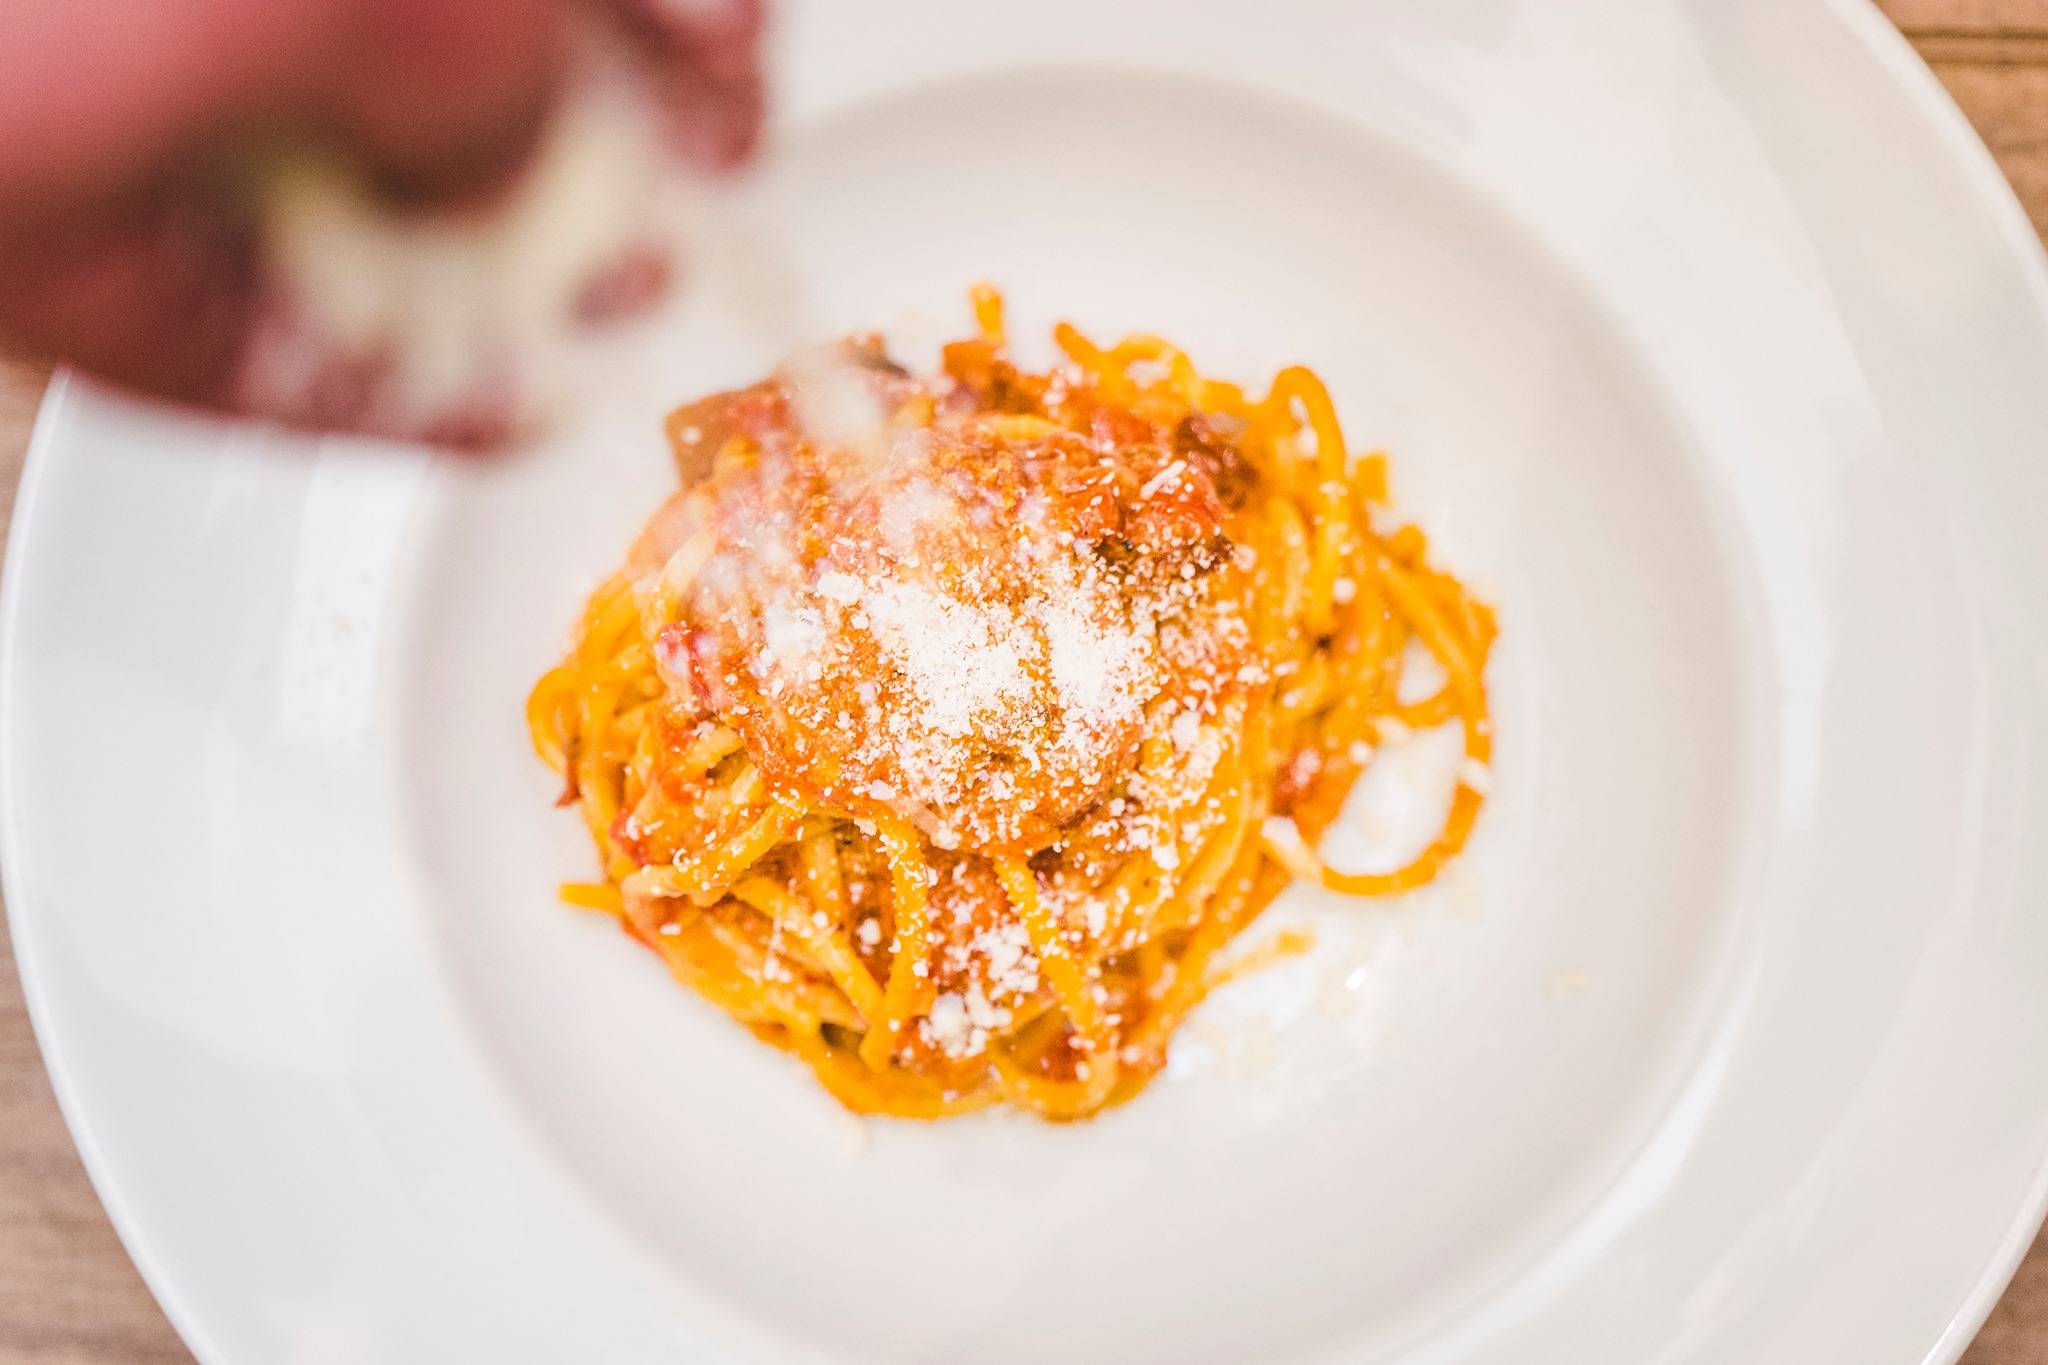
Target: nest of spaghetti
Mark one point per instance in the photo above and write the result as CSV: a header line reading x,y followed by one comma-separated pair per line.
x,y
944,731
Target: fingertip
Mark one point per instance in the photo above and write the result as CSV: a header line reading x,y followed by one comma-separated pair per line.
x,y
443,100
640,274
154,291
706,60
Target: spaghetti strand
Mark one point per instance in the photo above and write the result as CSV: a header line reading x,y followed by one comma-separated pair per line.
x,y
954,773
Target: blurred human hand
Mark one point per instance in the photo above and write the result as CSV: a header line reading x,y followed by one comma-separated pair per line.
x,y
137,237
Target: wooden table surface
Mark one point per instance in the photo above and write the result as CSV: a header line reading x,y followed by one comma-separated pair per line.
x,y
67,1290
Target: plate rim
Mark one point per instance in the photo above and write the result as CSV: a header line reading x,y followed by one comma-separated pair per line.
x,y
1995,195
155,1273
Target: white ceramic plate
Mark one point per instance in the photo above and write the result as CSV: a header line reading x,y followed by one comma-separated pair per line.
x,y
1709,343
